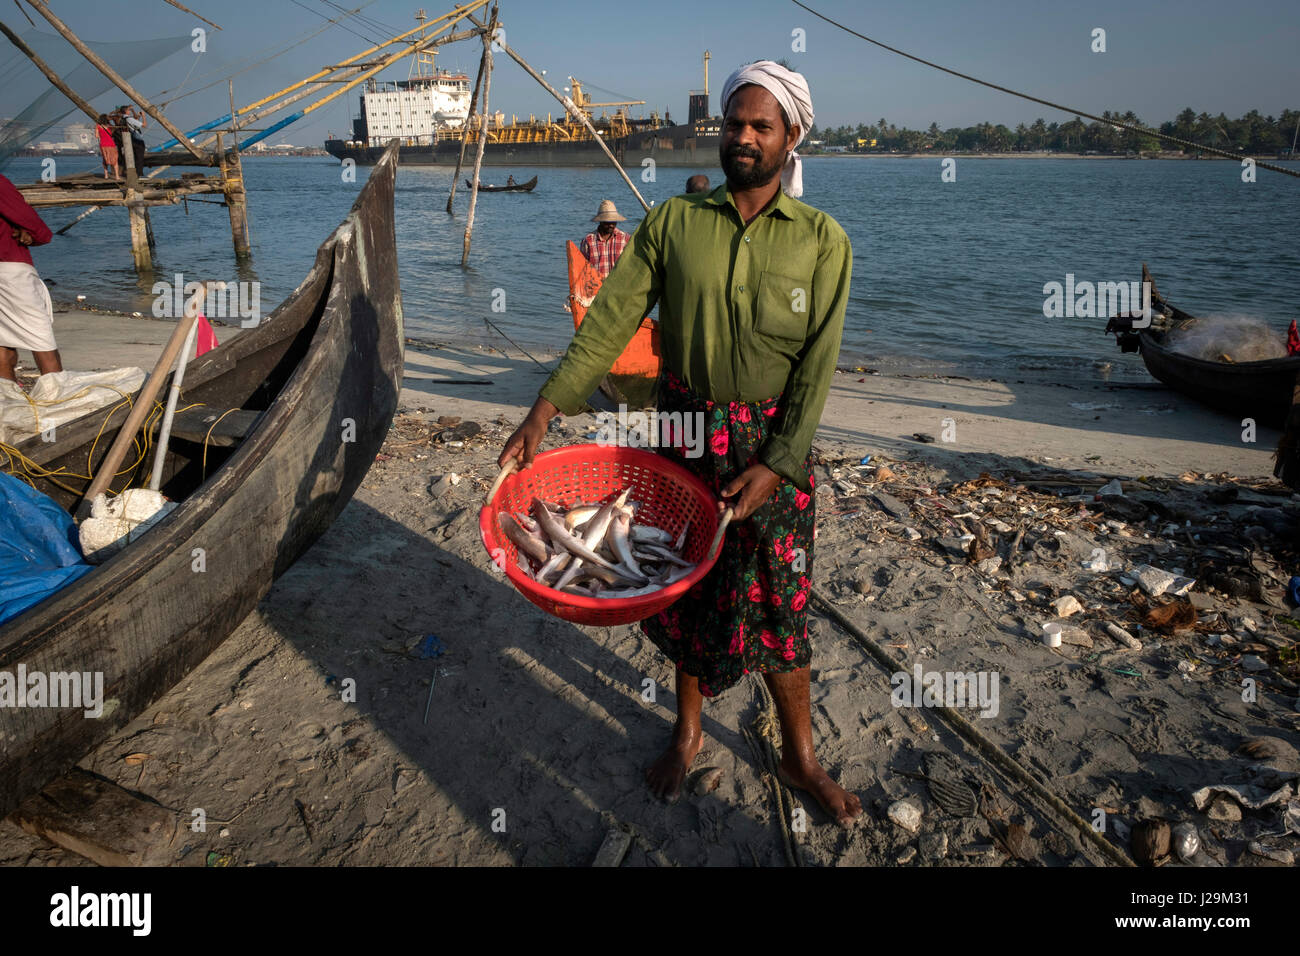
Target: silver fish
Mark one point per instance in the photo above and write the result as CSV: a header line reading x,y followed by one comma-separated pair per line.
x,y
580,515
665,555
529,544
681,538
594,535
555,564
622,547
555,530
649,534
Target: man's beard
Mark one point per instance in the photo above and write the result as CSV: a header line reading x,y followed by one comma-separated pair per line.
x,y
746,176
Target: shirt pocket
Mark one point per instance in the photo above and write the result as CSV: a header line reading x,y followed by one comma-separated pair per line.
x,y
782,307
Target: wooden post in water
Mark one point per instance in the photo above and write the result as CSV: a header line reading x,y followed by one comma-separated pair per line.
x,y
573,109
482,133
136,210
232,178
464,134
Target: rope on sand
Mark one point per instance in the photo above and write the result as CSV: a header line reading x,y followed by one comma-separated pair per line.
x,y
761,737
989,750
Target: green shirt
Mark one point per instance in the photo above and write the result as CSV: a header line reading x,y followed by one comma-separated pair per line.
x,y
745,312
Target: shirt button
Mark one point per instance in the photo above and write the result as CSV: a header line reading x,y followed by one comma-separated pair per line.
x,y
742,288
747,238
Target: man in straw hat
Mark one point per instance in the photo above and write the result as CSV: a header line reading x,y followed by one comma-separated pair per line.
x,y
752,287
603,247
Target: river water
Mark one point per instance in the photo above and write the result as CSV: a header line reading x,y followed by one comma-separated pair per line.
x,y
946,272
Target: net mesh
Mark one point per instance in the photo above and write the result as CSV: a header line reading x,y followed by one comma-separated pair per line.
x,y
29,105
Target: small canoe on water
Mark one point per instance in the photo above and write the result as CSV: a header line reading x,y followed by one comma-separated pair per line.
x,y
633,380
286,420
516,188
1261,390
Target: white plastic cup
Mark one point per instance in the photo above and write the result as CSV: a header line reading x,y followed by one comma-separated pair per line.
x,y
1052,634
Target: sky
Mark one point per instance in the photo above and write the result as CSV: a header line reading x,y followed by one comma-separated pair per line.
x,y
1161,55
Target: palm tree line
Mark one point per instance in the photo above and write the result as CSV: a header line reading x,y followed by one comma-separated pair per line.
x,y
1251,134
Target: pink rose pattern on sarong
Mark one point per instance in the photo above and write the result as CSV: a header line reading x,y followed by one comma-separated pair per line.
x,y
748,613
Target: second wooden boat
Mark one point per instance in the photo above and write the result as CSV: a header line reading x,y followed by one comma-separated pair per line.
x,y
290,416
1261,390
516,188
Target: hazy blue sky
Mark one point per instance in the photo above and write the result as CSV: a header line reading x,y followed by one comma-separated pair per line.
x,y
1161,55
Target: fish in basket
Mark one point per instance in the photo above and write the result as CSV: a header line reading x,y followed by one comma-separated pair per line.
x,y
602,535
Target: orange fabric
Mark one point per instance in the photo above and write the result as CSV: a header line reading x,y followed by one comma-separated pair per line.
x,y
641,357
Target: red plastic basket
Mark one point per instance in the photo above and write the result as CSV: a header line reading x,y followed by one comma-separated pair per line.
x,y
669,496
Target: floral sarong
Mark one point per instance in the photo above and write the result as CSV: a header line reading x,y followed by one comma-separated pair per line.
x,y
748,613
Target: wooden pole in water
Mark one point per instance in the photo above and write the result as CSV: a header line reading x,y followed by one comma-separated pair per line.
x,y
117,79
232,187
464,134
572,108
136,211
482,134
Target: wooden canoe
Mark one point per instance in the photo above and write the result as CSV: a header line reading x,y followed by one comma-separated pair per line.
x,y
1261,390
633,380
516,188
314,387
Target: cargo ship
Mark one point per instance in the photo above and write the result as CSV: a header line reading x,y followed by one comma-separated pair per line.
x,y
428,113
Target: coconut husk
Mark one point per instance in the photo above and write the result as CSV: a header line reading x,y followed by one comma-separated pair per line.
x,y
1149,841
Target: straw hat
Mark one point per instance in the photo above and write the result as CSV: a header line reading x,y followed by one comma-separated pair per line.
x,y
608,212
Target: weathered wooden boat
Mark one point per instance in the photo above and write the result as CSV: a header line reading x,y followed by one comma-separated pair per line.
x,y
307,398
516,188
1261,390
633,380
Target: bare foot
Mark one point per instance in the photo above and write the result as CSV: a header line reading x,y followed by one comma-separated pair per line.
x,y
667,774
843,806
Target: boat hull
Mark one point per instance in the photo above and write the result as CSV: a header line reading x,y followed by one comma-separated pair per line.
x,y
1260,390
154,611
672,146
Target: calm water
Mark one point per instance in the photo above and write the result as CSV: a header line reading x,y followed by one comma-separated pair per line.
x,y
951,272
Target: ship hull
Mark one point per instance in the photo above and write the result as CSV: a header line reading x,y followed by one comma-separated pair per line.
x,y
670,146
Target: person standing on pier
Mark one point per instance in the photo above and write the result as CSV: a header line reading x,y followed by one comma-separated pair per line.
x,y
752,287
26,314
108,146
603,247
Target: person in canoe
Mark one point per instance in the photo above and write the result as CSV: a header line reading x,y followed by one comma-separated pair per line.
x,y
510,180
603,247
752,287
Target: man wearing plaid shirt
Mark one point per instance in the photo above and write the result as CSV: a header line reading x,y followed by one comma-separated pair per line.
x,y
603,247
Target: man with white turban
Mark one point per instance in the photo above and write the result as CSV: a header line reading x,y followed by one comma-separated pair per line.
x,y
752,287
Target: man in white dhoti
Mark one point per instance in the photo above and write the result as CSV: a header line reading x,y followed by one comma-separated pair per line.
x,y
26,315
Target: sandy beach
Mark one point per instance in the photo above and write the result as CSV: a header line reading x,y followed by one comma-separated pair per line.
x,y
516,738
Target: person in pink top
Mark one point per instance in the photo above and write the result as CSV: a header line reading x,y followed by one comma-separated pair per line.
x,y
108,146
26,314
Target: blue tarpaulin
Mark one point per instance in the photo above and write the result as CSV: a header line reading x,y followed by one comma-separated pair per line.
x,y
38,548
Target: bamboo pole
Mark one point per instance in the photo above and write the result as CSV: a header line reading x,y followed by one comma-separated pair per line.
x,y
572,108
119,81
455,15
136,213
482,134
139,410
50,74
352,82
464,135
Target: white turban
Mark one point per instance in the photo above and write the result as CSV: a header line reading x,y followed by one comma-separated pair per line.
x,y
791,92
